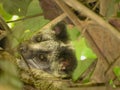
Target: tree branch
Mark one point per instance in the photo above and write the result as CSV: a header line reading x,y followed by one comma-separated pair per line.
x,y
81,8
81,24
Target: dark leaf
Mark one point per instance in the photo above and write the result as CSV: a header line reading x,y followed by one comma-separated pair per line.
x,y
16,7
50,9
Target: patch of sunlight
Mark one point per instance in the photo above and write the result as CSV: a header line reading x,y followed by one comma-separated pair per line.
x,y
10,25
19,10
14,17
83,57
27,31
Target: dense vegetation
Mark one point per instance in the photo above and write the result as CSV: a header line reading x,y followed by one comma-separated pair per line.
x,y
26,17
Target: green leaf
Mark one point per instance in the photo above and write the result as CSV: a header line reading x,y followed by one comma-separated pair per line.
x,y
16,7
117,1
81,67
118,14
116,70
34,8
112,83
26,28
82,50
73,33
9,75
4,14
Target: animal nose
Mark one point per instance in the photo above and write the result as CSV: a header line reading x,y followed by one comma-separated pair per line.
x,y
63,68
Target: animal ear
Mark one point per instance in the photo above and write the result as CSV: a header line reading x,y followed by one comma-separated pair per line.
x,y
59,26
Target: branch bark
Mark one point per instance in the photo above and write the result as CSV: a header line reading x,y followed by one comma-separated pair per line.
x,y
81,8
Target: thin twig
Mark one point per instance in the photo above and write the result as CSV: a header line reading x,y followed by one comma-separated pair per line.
x,y
22,56
27,17
85,28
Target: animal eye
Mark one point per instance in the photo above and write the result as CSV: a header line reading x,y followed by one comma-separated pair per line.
x,y
23,49
38,39
42,58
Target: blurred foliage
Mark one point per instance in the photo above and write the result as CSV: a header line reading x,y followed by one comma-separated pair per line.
x,y
9,75
116,70
73,33
24,29
111,82
4,14
117,1
16,7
